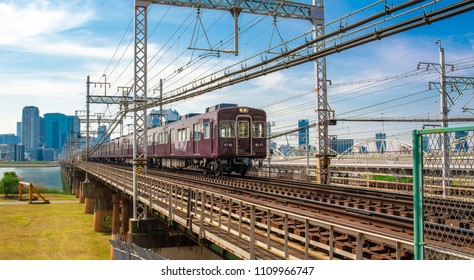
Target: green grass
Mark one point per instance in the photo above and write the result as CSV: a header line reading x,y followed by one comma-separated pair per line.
x,y
50,232
391,178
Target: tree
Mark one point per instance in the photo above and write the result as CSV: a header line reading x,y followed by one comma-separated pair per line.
x,y
9,183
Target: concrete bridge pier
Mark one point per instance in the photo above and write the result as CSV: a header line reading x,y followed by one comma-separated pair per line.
x,y
126,213
76,185
103,210
86,196
115,214
69,175
146,233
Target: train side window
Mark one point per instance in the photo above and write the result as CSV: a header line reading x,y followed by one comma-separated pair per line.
x,y
197,132
227,129
207,130
163,138
258,129
173,135
243,129
183,134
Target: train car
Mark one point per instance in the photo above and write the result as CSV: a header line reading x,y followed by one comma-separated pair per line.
x,y
226,138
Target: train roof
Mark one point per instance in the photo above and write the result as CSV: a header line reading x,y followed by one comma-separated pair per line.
x,y
220,106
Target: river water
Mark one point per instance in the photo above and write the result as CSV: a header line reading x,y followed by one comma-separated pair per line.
x,y
49,177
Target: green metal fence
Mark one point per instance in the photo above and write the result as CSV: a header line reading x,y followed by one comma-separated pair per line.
x,y
443,193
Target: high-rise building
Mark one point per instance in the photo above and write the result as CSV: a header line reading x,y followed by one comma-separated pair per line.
x,y
339,145
169,115
426,143
381,143
303,134
18,131
102,130
42,137
19,154
30,132
58,128
461,142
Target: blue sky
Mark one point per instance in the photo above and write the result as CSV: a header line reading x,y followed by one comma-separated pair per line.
x,y
47,49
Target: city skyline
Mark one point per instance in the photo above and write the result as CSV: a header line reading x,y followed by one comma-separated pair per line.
x,y
42,134
50,47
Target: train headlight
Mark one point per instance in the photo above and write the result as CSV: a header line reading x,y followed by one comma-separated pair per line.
x,y
226,145
261,145
256,145
231,145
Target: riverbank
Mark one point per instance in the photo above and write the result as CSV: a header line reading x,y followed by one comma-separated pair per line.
x,y
56,231
29,164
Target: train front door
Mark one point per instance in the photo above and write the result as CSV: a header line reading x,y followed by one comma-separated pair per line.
x,y
244,137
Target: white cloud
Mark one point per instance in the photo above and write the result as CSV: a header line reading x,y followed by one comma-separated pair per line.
x,y
269,81
39,18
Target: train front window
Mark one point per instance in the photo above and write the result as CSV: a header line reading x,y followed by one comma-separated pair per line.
x,y
243,129
227,129
258,129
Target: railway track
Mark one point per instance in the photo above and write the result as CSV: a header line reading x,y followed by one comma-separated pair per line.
x,y
288,197
364,201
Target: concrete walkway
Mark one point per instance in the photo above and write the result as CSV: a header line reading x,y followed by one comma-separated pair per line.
x,y
38,202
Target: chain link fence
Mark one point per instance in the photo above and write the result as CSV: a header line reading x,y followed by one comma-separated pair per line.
x,y
443,175
125,251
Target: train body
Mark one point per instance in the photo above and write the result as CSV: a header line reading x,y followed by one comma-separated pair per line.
x,y
227,138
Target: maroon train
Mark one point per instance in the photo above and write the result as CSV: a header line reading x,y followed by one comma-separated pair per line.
x,y
227,138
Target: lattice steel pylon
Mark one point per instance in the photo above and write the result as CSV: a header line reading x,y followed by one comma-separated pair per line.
x,y
139,98
322,162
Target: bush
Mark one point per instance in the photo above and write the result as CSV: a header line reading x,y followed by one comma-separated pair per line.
x,y
9,183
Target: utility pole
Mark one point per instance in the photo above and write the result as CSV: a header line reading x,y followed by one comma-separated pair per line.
x,y
70,142
161,102
87,118
442,80
444,124
88,101
441,68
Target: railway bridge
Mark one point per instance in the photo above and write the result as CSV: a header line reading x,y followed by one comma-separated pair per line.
x,y
231,224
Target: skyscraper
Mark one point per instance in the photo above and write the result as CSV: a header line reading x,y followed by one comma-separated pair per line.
x,y
461,142
303,133
18,131
381,142
58,128
30,132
